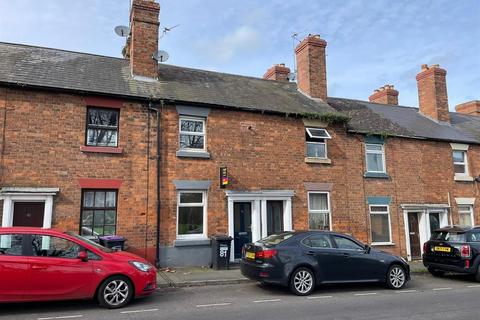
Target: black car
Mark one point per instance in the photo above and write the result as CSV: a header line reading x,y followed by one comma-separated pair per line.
x,y
454,249
304,259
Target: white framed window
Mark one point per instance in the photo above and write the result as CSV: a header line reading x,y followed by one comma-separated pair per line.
x,y
316,141
319,213
191,214
192,135
375,158
380,224
465,213
460,162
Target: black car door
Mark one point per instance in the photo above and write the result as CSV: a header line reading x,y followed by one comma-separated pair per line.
x,y
321,248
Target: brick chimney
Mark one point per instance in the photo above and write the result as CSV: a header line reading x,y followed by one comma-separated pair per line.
x,y
385,95
277,72
471,107
432,93
311,67
143,40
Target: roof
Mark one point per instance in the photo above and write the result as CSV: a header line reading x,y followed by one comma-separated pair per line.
x,y
370,118
66,70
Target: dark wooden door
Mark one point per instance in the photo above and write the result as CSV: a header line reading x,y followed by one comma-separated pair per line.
x,y
413,230
242,231
274,217
28,214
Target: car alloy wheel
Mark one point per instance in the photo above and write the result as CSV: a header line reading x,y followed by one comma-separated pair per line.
x,y
302,282
115,292
396,277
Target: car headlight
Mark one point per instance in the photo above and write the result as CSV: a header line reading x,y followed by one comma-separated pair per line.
x,y
141,266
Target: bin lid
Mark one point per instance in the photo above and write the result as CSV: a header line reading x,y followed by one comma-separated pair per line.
x,y
112,238
221,237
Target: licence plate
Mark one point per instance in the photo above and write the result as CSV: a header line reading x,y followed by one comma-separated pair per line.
x,y
442,249
250,255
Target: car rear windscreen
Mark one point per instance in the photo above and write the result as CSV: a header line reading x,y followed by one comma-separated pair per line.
x,y
275,239
448,236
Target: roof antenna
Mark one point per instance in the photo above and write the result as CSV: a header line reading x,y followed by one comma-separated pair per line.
x,y
292,75
166,30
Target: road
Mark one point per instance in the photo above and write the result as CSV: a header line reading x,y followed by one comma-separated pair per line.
x,y
425,297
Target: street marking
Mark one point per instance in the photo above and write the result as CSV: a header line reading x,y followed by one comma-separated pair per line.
x,y
441,289
263,301
319,297
62,317
139,311
213,305
365,294
406,291
474,286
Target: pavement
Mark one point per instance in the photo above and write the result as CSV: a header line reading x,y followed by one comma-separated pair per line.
x,y
200,276
424,297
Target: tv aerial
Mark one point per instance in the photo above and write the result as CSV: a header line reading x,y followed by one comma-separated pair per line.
x,y
161,56
166,30
122,31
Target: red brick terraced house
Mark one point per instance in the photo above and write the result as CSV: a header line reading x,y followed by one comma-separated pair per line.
x,y
103,145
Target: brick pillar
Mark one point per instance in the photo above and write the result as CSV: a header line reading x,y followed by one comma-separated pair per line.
x,y
471,107
277,72
432,93
143,40
385,95
311,67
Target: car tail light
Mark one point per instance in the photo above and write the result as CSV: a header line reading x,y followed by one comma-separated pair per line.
x,y
265,254
465,251
425,247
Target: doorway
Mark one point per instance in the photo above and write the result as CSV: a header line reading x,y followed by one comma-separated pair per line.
x,y
274,217
414,235
242,230
28,214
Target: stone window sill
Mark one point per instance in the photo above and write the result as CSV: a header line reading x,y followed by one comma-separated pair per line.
x,y
193,154
378,175
463,178
114,150
191,242
376,244
318,160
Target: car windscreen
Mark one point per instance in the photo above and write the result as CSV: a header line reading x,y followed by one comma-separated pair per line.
x,y
448,236
275,239
90,242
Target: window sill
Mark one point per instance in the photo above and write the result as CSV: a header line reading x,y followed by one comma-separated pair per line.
x,y
463,178
318,160
191,242
114,150
378,175
193,154
374,244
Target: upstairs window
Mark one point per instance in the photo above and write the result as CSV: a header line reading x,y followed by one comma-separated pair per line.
x,y
192,134
460,164
316,140
102,127
375,158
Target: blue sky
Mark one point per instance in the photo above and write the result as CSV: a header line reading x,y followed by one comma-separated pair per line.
x,y
370,43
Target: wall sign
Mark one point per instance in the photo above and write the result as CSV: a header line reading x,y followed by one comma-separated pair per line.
x,y
223,177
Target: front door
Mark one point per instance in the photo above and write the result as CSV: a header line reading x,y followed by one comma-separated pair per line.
x,y
414,235
274,217
28,214
242,215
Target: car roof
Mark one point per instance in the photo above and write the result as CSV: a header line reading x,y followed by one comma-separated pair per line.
x,y
31,230
456,228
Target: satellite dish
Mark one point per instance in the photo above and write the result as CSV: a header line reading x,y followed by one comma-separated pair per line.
x,y
291,76
161,56
122,31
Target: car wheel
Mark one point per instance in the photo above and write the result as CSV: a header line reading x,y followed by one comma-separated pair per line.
x,y
115,292
436,273
302,282
396,277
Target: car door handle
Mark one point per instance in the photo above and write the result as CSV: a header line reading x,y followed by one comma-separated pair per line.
x,y
310,253
38,267
346,255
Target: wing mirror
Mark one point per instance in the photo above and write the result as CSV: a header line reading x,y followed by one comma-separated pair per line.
x,y
367,248
83,256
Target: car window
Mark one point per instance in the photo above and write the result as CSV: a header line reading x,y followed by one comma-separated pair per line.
x,y
11,244
276,238
92,256
473,236
318,241
448,236
344,243
55,247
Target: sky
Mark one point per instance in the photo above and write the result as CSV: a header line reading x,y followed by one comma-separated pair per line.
x,y
370,43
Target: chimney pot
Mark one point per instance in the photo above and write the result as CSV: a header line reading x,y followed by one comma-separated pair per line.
x,y
385,95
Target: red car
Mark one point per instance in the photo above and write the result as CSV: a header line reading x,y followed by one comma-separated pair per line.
x,y
44,264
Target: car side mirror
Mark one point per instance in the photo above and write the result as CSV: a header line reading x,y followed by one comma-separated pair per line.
x,y
83,256
367,248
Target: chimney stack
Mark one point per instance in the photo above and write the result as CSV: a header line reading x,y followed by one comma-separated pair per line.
x,y
143,40
311,67
277,72
385,95
432,93
471,107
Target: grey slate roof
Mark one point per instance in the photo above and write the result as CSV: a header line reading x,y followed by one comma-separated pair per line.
x,y
403,121
53,68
